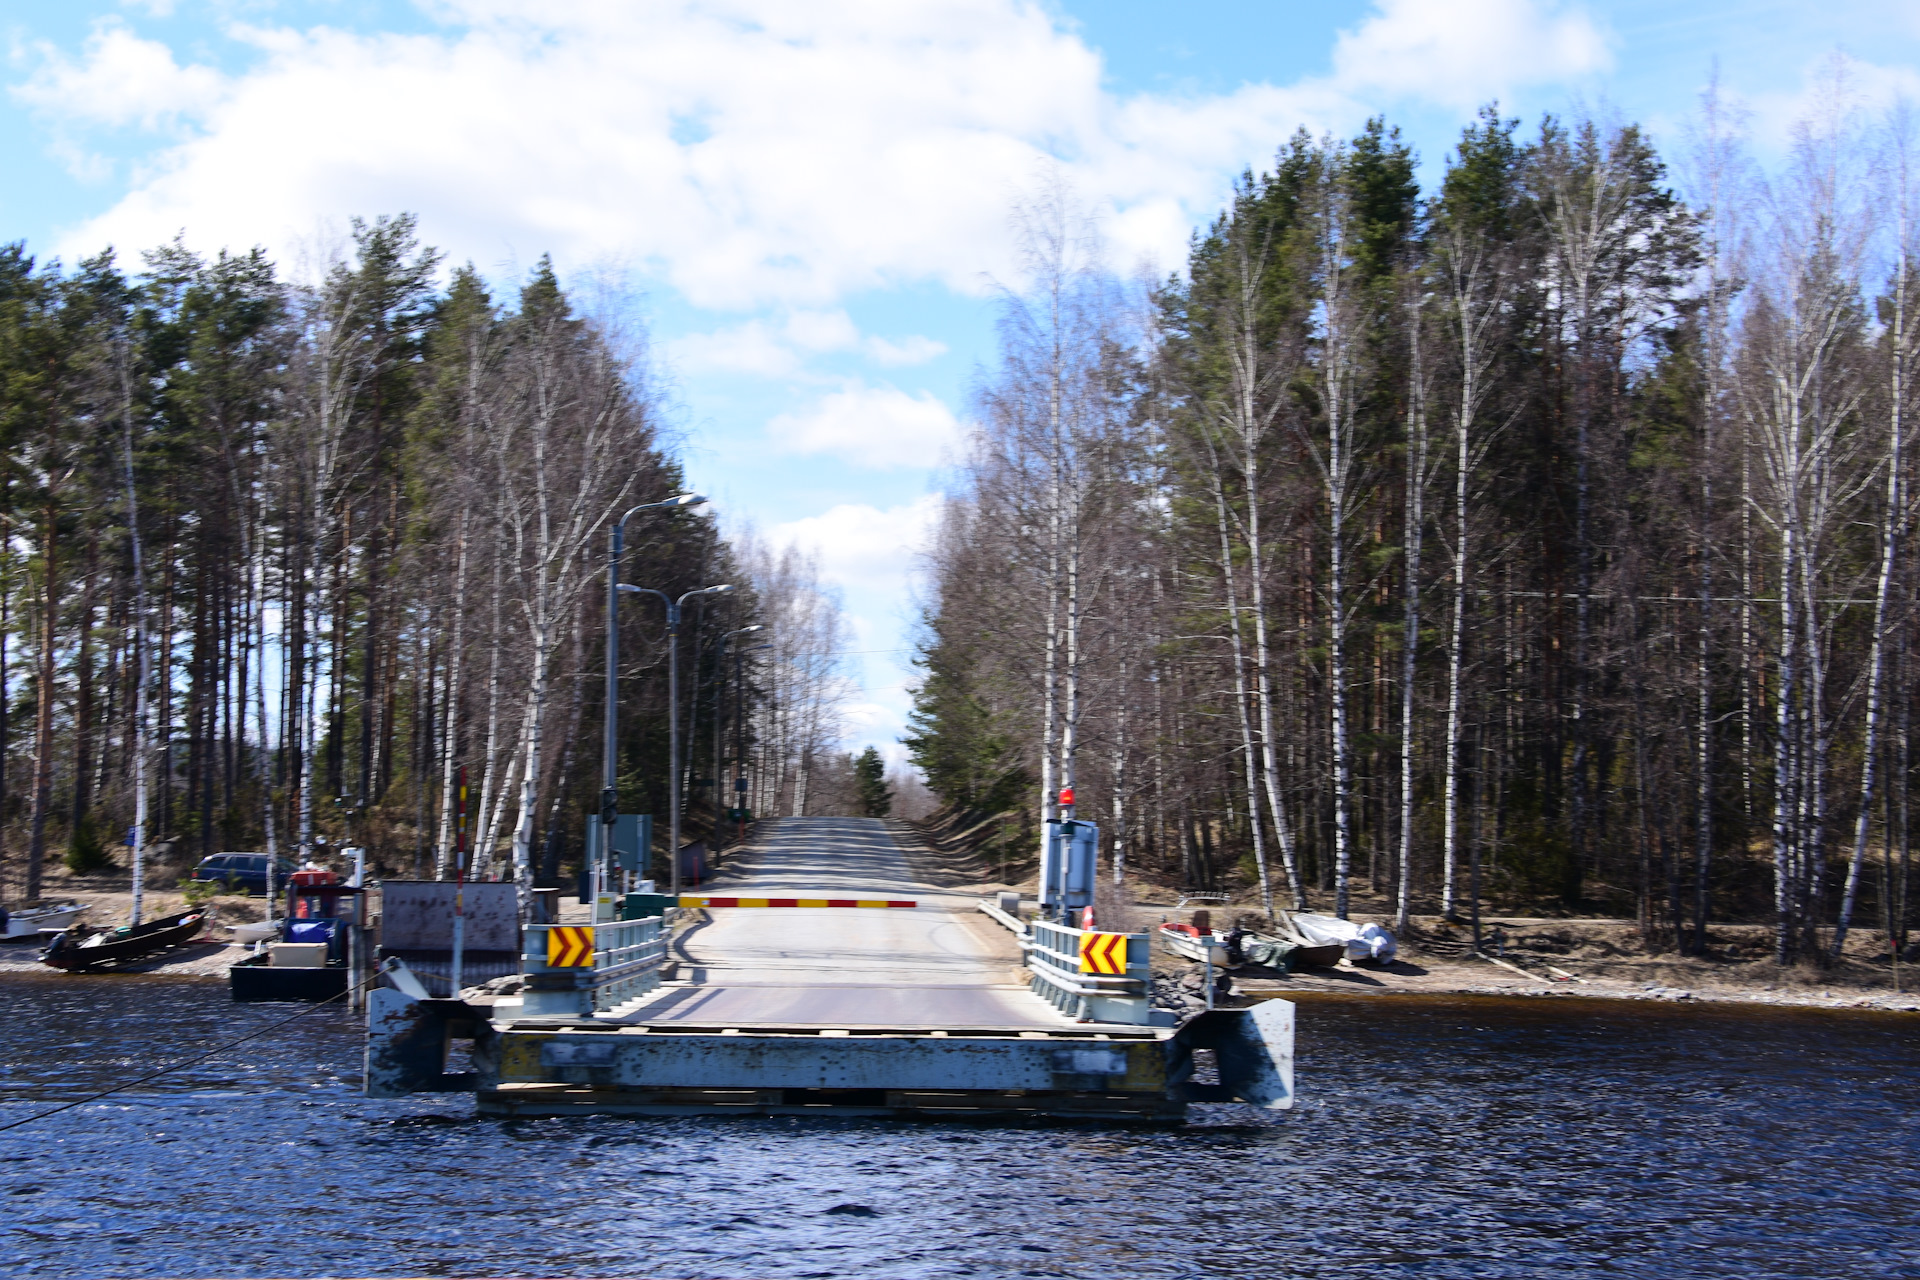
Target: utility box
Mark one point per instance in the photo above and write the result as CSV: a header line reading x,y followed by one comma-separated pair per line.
x,y
644,906
297,955
632,841
1067,867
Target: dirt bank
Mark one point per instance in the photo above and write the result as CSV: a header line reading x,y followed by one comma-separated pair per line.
x,y
1593,958
1536,955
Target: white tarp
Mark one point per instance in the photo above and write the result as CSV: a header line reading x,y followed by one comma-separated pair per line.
x,y
1363,941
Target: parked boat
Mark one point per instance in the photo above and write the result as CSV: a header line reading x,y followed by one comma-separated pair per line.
x,y
106,948
1358,941
31,922
258,978
1286,949
1283,949
305,956
1189,943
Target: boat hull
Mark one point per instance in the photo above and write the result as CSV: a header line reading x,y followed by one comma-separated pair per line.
x,y
253,979
109,949
1188,947
22,925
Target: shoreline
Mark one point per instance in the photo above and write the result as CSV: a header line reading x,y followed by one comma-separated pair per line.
x,y
1662,979
1401,979
1594,958
1467,979
1603,957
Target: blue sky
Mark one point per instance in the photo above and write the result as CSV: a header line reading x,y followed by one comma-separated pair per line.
x,y
808,202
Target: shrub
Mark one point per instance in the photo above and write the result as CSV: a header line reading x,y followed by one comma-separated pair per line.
x,y
86,854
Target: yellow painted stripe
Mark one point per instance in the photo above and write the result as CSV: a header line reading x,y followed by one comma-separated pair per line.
x,y
811,902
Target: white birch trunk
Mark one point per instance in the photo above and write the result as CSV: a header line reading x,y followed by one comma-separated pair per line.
x,y
1413,540
1240,695
456,653
1892,528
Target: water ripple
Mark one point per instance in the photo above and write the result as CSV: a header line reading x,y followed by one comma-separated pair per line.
x,y
1471,1137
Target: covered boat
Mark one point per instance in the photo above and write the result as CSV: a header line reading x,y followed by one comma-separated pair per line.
x,y
1358,941
78,952
1286,949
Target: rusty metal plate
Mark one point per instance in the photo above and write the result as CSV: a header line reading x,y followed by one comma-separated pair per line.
x,y
417,915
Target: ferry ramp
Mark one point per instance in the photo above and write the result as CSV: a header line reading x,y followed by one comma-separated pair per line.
x,y
939,963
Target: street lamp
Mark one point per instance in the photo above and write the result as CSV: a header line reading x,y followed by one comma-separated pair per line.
x,y
720,720
610,782
740,734
673,711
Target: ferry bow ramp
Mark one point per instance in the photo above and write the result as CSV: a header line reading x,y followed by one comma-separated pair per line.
x,y
819,974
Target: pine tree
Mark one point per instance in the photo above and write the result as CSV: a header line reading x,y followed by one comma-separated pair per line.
x,y
870,779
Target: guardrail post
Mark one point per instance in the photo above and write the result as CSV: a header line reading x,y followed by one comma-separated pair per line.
x,y
547,991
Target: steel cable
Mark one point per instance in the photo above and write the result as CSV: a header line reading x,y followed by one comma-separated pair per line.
x,y
186,1062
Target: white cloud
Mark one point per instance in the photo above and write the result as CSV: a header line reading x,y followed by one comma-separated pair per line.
x,y
1834,90
750,152
748,348
1466,52
822,331
780,350
871,553
865,548
877,427
913,350
119,81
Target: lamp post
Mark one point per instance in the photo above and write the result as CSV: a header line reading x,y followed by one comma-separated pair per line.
x,y
719,720
740,733
610,781
673,711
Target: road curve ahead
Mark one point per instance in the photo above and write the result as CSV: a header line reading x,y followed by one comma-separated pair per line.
x,y
936,965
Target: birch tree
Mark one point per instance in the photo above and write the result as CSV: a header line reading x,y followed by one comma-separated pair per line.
x,y
1898,349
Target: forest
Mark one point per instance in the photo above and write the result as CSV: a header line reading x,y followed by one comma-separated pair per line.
x,y
1537,538
290,561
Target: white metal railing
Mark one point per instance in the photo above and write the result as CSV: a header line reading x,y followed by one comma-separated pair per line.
x,y
1053,958
626,956
1014,923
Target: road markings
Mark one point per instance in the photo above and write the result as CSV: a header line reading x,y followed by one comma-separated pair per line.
x,y
570,946
1103,953
691,901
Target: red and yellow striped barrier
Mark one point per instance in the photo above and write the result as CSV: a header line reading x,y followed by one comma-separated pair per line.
x,y
693,900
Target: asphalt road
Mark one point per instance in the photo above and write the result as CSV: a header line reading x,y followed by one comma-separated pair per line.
x,y
935,965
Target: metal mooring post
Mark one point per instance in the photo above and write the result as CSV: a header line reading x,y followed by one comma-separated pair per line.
x,y
357,959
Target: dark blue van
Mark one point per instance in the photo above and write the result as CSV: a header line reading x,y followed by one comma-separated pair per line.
x,y
246,871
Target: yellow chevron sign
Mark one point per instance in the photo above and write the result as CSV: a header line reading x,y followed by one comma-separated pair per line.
x,y
1103,953
570,946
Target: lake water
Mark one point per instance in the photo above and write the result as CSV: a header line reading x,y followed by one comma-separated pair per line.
x,y
1455,1137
